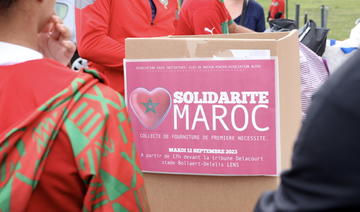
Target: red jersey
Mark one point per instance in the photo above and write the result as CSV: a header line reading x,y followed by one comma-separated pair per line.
x,y
203,17
61,147
103,25
277,6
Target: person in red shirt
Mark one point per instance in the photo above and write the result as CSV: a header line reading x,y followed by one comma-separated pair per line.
x,y
103,25
206,17
276,10
65,137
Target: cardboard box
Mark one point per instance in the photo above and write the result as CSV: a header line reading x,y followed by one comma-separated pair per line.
x,y
218,193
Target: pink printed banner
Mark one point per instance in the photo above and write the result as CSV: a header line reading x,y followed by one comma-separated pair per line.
x,y
204,117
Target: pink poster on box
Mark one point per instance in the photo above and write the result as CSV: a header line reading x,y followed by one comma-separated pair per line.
x,y
204,117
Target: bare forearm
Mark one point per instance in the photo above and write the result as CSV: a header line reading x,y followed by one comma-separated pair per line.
x,y
234,28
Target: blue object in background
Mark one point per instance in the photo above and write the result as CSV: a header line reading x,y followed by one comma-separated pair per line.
x,y
332,42
348,50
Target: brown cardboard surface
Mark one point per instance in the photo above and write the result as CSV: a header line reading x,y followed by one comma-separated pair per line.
x,y
214,193
262,36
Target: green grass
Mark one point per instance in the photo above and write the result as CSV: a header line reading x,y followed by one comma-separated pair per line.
x,y
341,17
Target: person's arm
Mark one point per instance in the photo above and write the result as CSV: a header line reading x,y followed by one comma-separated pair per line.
x,y
325,169
105,152
269,16
281,8
93,40
234,28
278,15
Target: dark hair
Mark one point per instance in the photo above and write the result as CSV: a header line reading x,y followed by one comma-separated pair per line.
x,y
5,4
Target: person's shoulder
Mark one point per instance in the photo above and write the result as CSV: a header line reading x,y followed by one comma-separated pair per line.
x,y
45,67
255,8
101,94
110,94
201,4
41,64
255,4
343,85
45,62
42,73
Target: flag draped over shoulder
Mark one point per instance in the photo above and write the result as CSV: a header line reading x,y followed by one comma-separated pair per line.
x,y
102,146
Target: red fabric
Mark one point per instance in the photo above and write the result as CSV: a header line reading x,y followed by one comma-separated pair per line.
x,y
103,26
59,192
23,88
276,7
202,17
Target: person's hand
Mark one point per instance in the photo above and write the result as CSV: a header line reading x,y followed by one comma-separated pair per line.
x,y
54,41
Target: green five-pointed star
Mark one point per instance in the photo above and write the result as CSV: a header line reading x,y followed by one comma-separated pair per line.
x,y
150,106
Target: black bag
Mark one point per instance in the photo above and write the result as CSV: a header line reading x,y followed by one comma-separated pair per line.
x,y
282,25
313,37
